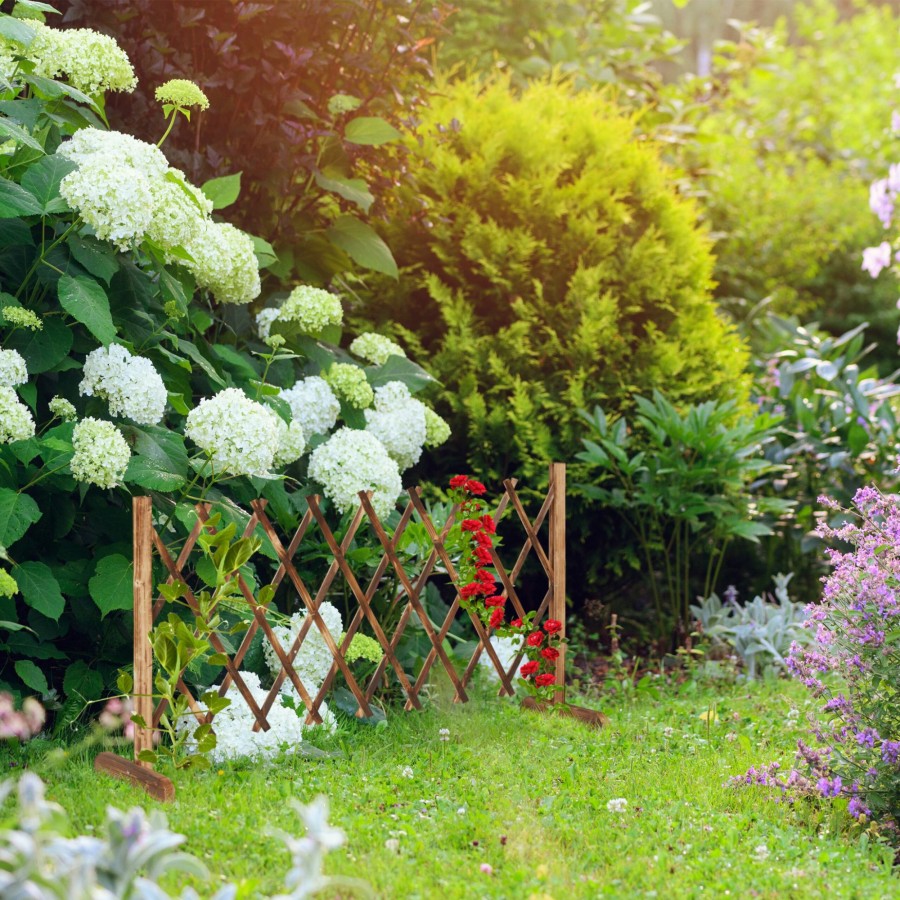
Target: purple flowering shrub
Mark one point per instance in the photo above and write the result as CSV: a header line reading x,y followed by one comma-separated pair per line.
x,y
854,663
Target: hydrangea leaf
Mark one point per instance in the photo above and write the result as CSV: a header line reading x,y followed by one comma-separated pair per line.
x,y
16,201
83,681
371,131
223,191
17,513
9,129
42,181
85,300
160,462
32,676
111,586
353,189
361,243
40,589
398,368
44,349
99,259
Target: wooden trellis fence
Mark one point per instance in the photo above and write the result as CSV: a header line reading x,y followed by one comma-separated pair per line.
x,y
148,604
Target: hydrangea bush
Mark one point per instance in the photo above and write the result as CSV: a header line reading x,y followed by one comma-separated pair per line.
x,y
137,358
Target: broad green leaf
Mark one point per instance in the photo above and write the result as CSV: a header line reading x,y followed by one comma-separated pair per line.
x,y
16,30
398,368
9,129
54,89
42,180
857,438
111,586
353,189
98,258
265,252
150,474
342,103
160,462
85,300
17,513
44,349
38,6
16,201
40,589
223,191
32,676
360,242
83,681
371,131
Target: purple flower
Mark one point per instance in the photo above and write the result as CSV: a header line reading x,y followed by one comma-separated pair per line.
x,y
830,788
890,752
877,258
881,202
857,808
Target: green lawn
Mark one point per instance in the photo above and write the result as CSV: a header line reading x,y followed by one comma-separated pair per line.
x,y
527,794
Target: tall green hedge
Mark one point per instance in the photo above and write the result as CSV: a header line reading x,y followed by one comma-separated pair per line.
x,y
547,265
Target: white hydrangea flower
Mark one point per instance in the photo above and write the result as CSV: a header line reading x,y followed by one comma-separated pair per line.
x,y
398,421
224,262
61,407
313,659
264,319
16,421
130,384
349,381
375,348
506,648
437,431
351,461
12,368
22,318
311,309
313,405
291,441
91,61
177,220
239,434
233,726
101,453
88,144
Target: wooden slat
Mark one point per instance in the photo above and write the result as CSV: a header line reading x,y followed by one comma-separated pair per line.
x,y
139,774
558,569
142,586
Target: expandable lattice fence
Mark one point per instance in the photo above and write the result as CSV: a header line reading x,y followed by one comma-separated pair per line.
x,y
549,549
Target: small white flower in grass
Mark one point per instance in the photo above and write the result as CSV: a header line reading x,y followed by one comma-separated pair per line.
x,y
224,262
313,405
101,453
761,852
398,421
16,421
61,408
311,309
239,434
461,811
444,734
392,844
668,731
130,384
375,348
407,772
351,461
349,383
619,805
731,736
12,368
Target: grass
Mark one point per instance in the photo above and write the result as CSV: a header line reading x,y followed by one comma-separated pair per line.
x,y
527,794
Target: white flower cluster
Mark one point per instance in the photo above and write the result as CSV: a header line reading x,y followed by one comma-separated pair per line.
x,y
124,189
350,383
311,309
375,348
506,648
62,408
313,405
90,61
16,422
264,319
351,461
101,453
313,659
437,431
241,436
398,421
130,384
12,368
235,737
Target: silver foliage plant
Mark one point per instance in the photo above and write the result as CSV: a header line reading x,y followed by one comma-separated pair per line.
x,y
38,862
760,632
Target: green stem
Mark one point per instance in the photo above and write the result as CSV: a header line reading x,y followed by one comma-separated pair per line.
x,y
171,124
37,263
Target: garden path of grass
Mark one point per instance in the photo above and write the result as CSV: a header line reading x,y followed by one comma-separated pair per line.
x,y
527,794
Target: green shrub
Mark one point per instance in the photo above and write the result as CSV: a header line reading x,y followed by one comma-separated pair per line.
x,y
548,266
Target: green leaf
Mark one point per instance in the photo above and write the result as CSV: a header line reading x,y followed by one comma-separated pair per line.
x,y
398,368
16,30
265,252
42,180
17,513
40,589
99,259
371,131
83,681
85,300
223,191
148,473
160,462
16,201
857,438
32,676
111,586
353,189
360,242
54,89
44,349
9,129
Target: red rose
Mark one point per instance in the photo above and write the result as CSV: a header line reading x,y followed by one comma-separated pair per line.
x,y
483,540
474,589
516,623
482,556
494,601
496,618
458,481
545,679
550,653
485,577
471,525
529,668
487,523
475,487
535,639
552,626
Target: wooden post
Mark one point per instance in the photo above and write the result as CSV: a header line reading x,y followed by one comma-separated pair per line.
x,y
558,568
142,520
